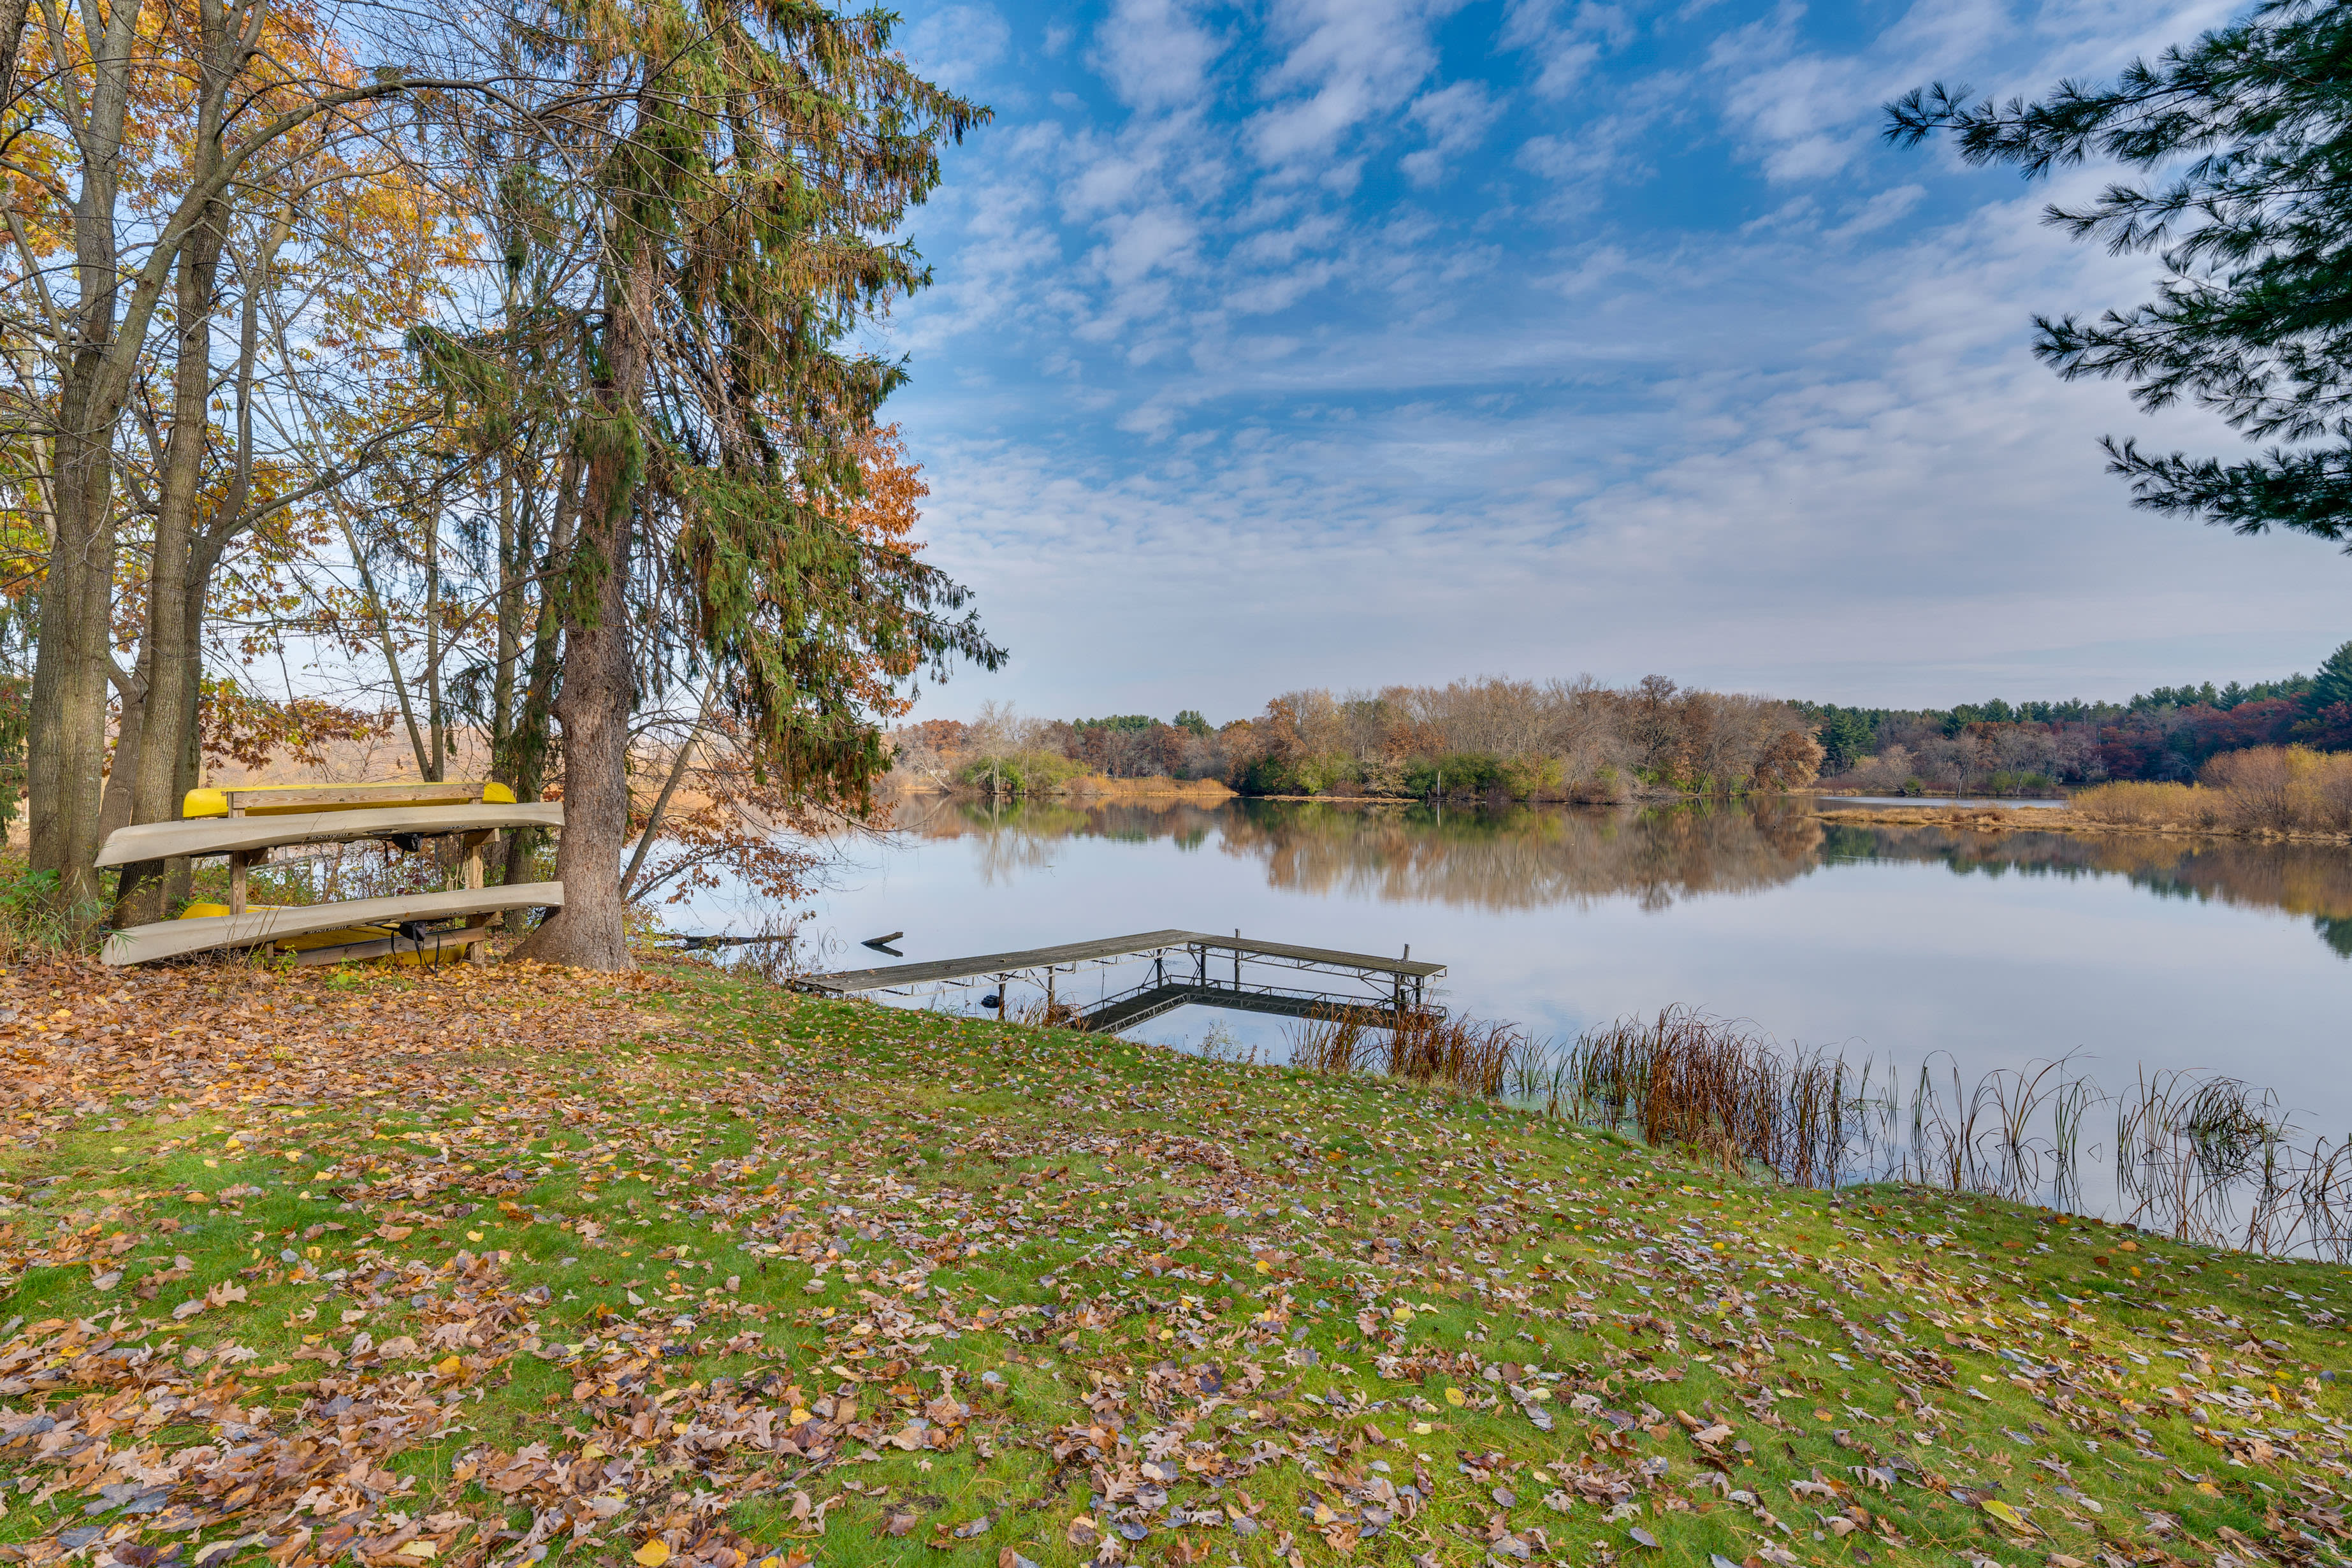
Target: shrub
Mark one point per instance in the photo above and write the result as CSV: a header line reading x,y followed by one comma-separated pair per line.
x,y
2139,804
2265,789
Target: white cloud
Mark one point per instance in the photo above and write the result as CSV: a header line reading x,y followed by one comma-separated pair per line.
x,y
1691,376
1346,62
957,43
1156,54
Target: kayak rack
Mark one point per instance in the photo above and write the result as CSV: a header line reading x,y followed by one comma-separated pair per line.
x,y
1187,969
246,824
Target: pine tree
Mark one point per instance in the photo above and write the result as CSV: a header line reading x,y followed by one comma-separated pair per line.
x,y
2253,219
2333,683
754,160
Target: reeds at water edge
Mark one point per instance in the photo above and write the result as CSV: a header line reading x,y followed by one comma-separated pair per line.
x,y
1475,1057
2202,1157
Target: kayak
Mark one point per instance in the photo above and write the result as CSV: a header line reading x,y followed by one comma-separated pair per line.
x,y
215,801
288,925
268,829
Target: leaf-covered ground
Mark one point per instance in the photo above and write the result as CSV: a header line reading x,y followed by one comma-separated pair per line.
x,y
499,1265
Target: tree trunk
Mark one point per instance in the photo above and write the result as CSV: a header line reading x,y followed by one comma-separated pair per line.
x,y
65,722
129,733
528,742
65,745
592,704
174,606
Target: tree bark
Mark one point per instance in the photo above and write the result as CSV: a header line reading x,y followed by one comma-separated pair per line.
x,y
174,607
599,676
66,729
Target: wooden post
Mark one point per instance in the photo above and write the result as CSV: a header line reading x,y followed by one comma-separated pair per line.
x,y
477,952
237,864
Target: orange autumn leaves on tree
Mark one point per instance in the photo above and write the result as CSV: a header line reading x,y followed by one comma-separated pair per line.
x,y
735,823
885,513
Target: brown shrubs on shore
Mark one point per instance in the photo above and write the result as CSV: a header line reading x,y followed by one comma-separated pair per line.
x,y
2265,789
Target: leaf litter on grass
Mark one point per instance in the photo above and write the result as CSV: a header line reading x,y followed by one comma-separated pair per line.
x,y
487,1267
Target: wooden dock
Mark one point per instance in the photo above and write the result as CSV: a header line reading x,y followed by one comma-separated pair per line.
x,y
1187,969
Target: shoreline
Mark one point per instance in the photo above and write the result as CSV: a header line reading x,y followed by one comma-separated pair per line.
x,y
2061,819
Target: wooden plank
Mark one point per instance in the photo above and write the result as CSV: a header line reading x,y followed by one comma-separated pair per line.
x,y
275,800
222,835
173,939
312,797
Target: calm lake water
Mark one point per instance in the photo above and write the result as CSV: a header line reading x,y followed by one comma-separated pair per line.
x,y
1887,943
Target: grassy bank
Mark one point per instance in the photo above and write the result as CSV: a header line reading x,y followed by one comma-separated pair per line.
x,y
402,1269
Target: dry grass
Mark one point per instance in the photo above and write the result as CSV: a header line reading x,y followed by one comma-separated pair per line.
x,y
1466,1054
2265,789
1688,1080
1161,783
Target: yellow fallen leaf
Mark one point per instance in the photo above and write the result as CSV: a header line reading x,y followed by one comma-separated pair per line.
x,y
418,1549
1454,1397
449,1366
1402,1314
1264,1266
473,1235
653,1553
2006,1515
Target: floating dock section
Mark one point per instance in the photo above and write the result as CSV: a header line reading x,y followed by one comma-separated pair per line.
x,y
1189,969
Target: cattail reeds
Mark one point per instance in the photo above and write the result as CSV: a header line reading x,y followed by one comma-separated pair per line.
x,y
2201,1157
1473,1056
1685,1079
1330,1042
1467,1054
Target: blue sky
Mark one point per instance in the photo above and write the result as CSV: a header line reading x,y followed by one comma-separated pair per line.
x,y
1342,342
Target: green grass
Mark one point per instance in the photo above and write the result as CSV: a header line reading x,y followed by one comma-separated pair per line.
x,y
1289,1296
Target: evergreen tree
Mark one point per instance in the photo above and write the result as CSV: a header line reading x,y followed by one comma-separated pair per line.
x,y
2333,684
752,162
2253,219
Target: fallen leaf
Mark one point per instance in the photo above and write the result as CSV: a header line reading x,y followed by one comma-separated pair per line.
x,y
653,1553
2008,1516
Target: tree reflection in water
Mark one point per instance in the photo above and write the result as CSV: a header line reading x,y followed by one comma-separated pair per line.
x,y
1529,858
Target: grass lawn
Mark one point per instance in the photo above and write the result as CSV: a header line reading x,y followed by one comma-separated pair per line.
x,y
511,1264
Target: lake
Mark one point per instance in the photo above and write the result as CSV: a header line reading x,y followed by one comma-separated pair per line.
x,y
1890,942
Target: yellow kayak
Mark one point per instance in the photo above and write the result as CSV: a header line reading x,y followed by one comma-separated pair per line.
x,y
215,801
343,937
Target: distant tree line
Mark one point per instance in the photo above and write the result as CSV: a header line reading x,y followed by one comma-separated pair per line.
x,y
2169,733
1523,740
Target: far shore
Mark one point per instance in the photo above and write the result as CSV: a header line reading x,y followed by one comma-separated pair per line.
x,y
2060,819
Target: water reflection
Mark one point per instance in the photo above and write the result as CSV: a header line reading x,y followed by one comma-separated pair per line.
x,y
1524,858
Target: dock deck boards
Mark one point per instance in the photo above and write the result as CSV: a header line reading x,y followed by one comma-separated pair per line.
x,y
932,971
